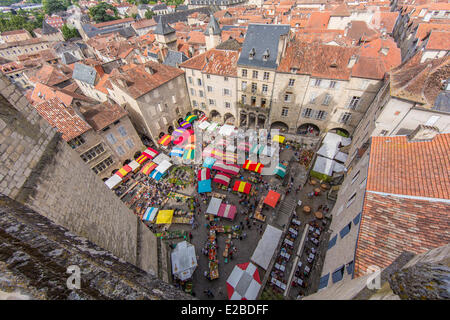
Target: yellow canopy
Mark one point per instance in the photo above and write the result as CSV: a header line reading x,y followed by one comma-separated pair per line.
x,y
164,217
277,138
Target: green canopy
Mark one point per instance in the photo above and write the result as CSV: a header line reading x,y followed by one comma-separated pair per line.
x,y
280,170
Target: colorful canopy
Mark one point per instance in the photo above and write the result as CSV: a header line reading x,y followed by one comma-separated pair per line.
x,y
165,140
204,174
178,132
222,178
151,153
177,152
277,138
204,124
150,214
134,165
227,168
204,186
208,162
227,211
163,166
280,170
245,146
191,118
253,166
189,154
272,198
242,186
203,118
185,125
122,172
164,217
214,205
230,157
149,167
178,140
142,158
244,282
256,149
156,175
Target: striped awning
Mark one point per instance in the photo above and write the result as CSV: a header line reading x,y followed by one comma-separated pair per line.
x,y
242,186
204,174
150,214
165,140
222,178
149,167
122,172
253,166
191,118
151,153
185,125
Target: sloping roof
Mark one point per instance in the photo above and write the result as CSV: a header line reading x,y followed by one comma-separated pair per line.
x,y
48,29
214,25
174,58
68,58
84,73
259,39
341,11
221,62
50,75
163,28
113,23
101,115
438,41
63,118
230,44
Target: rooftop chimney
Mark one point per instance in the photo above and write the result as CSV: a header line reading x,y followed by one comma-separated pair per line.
x,y
423,133
148,69
352,61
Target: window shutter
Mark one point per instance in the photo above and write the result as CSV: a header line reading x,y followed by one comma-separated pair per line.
x,y
345,231
324,281
357,219
350,267
338,274
332,242
303,112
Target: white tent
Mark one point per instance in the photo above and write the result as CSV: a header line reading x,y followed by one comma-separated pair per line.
x,y
134,165
214,205
213,126
266,247
184,260
226,130
163,166
231,148
268,151
340,156
330,145
113,181
203,125
324,165
160,158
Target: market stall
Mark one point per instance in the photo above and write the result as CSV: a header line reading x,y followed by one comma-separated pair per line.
x,y
176,152
164,217
122,172
114,181
160,158
227,211
278,138
222,178
151,153
150,214
266,247
227,130
256,149
244,282
184,261
272,198
226,168
165,140
242,186
204,174
253,166
204,186
149,167
178,132
163,166
214,205
155,174
280,170
134,165
189,154
204,125
191,118
185,125
208,162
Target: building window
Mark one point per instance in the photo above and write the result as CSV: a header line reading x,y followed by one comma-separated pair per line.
x,y
333,84
355,177
103,165
338,274
351,199
200,93
194,103
226,92
345,117
225,78
321,115
192,92
255,74
209,88
208,76
130,143
92,153
111,139
317,82
190,80
326,100
122,131
254,87
307,112
199,82
312,98
332,242
211,102
287,97
243,85
252,101
383,132
354,102
266,76
263,102
244,99
265,88
76,142
203,105
291,82
244,73
284,112
120,150
227,105
345,230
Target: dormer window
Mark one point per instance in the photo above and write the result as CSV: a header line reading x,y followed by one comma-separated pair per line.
x,y
252,54
266,55
294,70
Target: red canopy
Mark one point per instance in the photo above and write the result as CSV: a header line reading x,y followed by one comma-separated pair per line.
x,y
204,174
272,198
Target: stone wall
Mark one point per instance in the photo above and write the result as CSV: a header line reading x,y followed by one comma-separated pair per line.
x,y
39,169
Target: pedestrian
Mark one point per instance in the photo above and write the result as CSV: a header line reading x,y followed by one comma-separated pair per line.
x,y
190,235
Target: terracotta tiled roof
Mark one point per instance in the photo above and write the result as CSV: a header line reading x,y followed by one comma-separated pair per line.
x,y
341,11
9,33
439,41
384,20
424,28
101,115
113,22
419,169
63,118
49,75
318,20
144,23
392,225
220,62
196,37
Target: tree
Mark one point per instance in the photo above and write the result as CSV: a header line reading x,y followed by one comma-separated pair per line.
x,y
69,32
149,14
98,13
51,6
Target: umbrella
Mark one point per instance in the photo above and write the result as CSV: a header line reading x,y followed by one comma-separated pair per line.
x,y
191,118
244,282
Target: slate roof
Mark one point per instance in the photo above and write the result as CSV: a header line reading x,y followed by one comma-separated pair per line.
x,y
48,29
214,25
174,58
68,58
181,15
262,37
163,28
442,102
84,73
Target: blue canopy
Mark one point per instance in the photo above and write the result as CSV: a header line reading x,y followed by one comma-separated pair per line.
x,y
204,186
177,152
208,162
156,175
150,214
